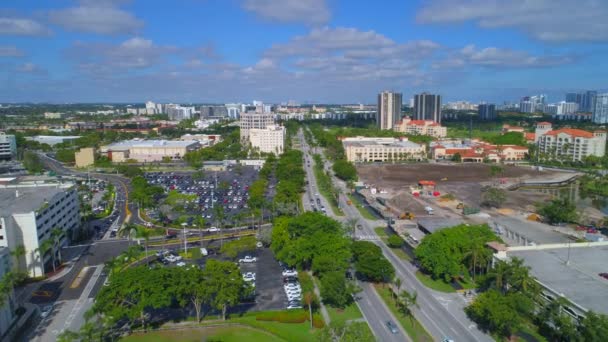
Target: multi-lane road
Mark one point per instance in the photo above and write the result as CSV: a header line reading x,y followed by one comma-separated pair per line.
x,y
440,313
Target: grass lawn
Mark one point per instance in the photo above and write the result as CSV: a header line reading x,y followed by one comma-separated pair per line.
x,y
381,231
528,332
413,328
224,334
401,254
437,285
362,209
338,315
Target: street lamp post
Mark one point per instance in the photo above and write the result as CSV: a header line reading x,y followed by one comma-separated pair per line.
x,y
185,240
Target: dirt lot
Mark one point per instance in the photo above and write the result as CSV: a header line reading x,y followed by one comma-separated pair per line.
x,y
463,180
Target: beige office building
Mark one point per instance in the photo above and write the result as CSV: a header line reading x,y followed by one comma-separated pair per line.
x,y
268,140
421,127
251,121
148,150
85,157
363,149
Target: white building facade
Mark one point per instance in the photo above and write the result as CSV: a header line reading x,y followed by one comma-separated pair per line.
x,y
8,146
568,143
251,121
364,149
268,140
421,127
28,214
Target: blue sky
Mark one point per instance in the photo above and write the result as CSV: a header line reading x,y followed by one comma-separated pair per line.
x,y
327,51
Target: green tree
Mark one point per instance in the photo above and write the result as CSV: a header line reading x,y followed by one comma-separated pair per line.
x,y
395,241
345,170
559,210
334,289
32,163
492,197
144,233
192,288
457,158
594,327
45,247
226,284
56,235
407,301
495,312
18,253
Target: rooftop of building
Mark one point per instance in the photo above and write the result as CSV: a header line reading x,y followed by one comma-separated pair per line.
x,y
578,279
435,224
579,133
126,144
375,141
24,198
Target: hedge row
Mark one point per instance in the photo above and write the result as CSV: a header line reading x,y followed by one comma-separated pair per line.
x,y
295,316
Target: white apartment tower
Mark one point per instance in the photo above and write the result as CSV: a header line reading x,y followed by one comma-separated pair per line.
x,y
251,120
268,140
389,109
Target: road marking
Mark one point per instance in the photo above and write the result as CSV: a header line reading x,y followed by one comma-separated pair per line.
x,y
83,297
42,294
79,277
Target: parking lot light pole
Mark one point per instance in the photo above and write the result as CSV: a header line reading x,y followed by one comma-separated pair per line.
x,y
185,240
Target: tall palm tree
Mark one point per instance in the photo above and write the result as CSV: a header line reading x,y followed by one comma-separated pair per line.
x,y
476,256
499,275
18,253
397,282
128,230
144,233
56,235
43,248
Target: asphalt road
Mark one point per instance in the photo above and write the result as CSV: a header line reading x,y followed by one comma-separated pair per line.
x,y
371,305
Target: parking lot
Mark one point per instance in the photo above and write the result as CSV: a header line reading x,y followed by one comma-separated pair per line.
x,y
268,283
228,189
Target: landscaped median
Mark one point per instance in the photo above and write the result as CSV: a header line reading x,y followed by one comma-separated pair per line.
x,y
362,209
325,186
414,329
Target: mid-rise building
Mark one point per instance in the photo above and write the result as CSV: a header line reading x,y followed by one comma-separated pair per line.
x,y
476,151
49,115
29,212
84,157
365,149
421,127
179,113
487,112
461,105
234,110
251,120
427,107
389,109
564,107
526,107
568,143
148,150
599,114
213,111
8,146
151,108
268,140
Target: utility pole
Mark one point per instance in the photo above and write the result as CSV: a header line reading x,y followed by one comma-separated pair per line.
x,y
185,240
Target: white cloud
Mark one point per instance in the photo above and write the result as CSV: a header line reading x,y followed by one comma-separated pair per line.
x,y
10,51
22,27
547,20
30,68
493,57
311,12
96,17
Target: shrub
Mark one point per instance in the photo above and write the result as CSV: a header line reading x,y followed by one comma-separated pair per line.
x,y
317,322
394,241
295,316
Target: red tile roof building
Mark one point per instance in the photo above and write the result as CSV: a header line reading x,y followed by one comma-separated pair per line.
x,y
569,143
478,151
421,127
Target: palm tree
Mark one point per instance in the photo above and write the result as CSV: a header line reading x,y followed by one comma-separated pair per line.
x,y
18,253
128,230
308,299
56,235
350,226
476,255
407,301
521,280
43,248
112,264
397,282
499,275
144,233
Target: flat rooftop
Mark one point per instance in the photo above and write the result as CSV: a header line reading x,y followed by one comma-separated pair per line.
x,y
369,143
30,197
578,280
434,224
127,144
538,232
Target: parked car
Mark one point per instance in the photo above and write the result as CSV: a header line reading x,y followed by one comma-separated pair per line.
x,y
293,306
290,273
248,259
46,311
249,276
181,264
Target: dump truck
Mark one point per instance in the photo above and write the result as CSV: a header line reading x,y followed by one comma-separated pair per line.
x,y
407,216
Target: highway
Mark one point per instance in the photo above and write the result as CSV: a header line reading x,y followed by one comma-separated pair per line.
x,y
371,305
440,313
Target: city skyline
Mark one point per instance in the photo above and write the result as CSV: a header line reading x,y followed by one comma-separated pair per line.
x,y
308,50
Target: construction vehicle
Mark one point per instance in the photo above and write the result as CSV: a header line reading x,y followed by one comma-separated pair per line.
x,y
407,216
349,202
460,205
444,178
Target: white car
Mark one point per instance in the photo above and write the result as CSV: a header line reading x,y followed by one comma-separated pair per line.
x,y
259,244
292,287
170,258
181,264
290,307
290,273
177,258
248,259
249,276
293,293
213,230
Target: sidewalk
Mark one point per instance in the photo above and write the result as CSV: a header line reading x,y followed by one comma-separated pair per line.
x,y
324,312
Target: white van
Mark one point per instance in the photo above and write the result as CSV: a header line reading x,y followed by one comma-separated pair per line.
x,y
204,252
429,210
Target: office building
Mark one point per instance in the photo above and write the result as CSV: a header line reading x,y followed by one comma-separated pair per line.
x,y
151,108
213,111
364,150
268,140
461,105
148,150
389,109
526,106
584,100
28,214
487,112
564,107
568,143
421,127
427,107
8,146
234,110
84,157
251,120
7,311
599,114
179,113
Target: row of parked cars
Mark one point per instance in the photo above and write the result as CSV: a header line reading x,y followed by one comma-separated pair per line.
x,y
167,257
292,287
